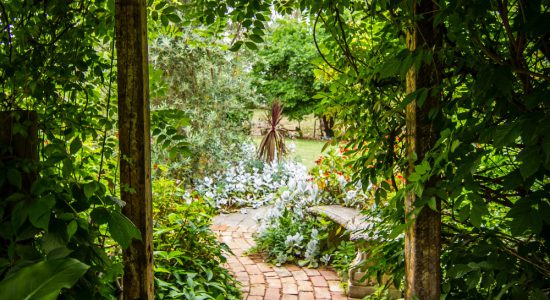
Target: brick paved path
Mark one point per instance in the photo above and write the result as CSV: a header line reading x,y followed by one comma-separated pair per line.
x,y
261,280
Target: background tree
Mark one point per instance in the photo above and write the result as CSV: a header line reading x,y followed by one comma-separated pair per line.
x,y
211,87
284,67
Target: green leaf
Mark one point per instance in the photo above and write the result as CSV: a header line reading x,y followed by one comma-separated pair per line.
x,y
476,213
14,178
506,134
531,159
43,280
40,211
251,46
432,203
100,215
71,228
122,229
236,46
256,38
76,145
89,189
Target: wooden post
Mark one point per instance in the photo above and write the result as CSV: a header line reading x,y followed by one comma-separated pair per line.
x,y
423,236
135,150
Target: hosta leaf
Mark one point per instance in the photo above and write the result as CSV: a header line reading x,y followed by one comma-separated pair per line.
x,y
43,280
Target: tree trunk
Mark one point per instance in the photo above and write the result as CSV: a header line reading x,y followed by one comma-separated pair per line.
x,y
423,235
135,152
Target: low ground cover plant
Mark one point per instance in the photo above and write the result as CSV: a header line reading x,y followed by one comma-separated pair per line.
x,y
188,257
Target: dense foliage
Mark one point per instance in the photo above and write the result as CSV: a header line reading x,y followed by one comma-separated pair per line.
x,y
188,257
61,219
206,84
489,166
283,69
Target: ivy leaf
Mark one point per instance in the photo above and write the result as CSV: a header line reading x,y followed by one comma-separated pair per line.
x,y
122,229
43,280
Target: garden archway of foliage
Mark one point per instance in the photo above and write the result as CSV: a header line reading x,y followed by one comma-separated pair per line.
x,y
491,160
66,228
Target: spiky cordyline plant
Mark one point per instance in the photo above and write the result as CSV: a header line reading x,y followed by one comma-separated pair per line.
x,y
273,143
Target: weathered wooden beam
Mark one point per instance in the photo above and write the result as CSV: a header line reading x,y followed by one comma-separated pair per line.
x,y
134,138
423,236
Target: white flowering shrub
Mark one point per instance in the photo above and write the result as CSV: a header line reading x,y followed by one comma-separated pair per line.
x,y
253,183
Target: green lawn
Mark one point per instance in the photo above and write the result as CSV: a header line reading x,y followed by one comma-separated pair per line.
x,y
306,152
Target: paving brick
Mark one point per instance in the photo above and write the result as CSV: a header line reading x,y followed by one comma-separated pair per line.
x,y
322,293
271,274
300,275
311,272
335,286
253,270
305,286
254,298
283,272
288,280
264,267
274,283
246,261
329,274
318,281
257,279
338,296
257,290
290,297
290,289
306,296
272,294
292,267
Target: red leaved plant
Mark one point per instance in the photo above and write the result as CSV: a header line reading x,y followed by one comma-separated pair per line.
x,y
273,142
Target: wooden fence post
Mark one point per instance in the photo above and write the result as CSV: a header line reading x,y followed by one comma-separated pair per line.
x,y
135,148
423,236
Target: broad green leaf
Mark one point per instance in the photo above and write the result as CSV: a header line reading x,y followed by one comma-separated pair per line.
x,y
122,229
89,189
531,161
43,280
15,178
76,144
236,46
251,46
41,210
71,228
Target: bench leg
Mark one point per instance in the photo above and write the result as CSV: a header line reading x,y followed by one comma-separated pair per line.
x,y
358,288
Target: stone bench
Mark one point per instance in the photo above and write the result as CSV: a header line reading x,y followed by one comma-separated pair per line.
x,y
354,222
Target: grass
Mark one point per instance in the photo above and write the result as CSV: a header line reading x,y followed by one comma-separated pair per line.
x,y
306,152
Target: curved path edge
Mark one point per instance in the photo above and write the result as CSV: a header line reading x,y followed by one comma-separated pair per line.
x,y
261,280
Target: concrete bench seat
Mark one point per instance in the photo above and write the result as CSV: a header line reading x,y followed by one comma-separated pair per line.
x,y
355,223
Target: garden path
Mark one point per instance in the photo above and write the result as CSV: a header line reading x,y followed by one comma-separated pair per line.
x,y
261,280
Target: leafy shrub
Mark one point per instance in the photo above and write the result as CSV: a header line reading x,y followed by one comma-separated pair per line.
x,y
251,182
333,175
188,257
